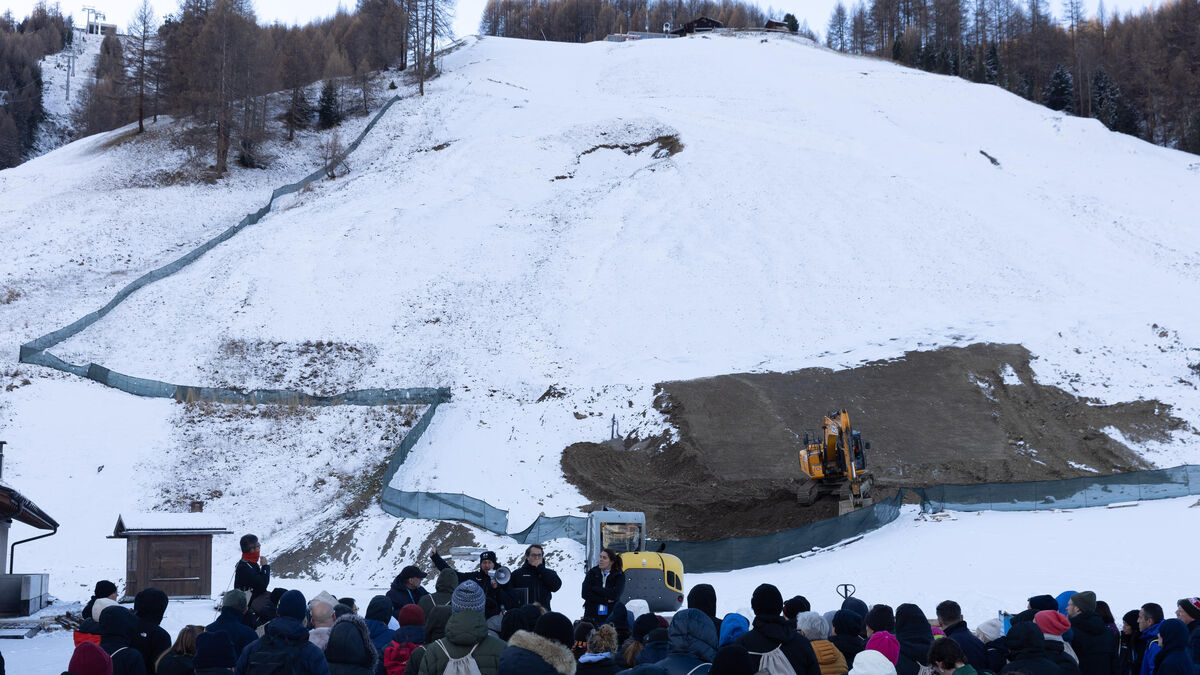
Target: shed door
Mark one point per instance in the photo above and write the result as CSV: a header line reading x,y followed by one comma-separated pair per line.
x,y
174,565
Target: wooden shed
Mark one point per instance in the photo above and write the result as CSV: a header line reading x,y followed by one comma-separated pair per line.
x,y
168,551
700,24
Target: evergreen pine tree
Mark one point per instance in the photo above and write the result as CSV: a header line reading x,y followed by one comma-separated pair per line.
x,y
991,65
329,109
792,24
1191,134
1059,91
1102,89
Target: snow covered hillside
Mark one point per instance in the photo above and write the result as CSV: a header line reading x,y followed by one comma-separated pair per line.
x,y
597,218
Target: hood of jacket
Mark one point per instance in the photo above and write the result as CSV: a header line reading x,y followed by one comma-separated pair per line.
x,y
1151,632
704,598
447,581
521,618
350,643
435,623
557,656
775,628
466,628
117,625
150,604
733,625
288,629
1174,634
914,633
692,633
1089,623
1025,641
847,622
379,609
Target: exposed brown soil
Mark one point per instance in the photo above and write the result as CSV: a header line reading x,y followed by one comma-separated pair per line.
x,y
943,416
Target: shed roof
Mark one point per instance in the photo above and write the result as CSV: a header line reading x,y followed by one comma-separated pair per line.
x,y
18,507
167,523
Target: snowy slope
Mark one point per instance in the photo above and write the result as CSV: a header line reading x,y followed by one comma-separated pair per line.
x,y
823,210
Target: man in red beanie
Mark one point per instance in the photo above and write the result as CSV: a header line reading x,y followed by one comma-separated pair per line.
x,y
1188,611
405,639
1053,625
90,659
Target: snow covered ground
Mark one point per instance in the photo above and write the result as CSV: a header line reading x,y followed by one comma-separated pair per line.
x,y
987,561
597,218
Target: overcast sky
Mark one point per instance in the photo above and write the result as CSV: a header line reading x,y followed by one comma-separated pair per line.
x,y
467,14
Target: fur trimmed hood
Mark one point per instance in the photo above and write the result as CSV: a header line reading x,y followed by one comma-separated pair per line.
x,y
555,655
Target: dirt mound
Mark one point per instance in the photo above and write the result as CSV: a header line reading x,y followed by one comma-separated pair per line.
x,y
954,415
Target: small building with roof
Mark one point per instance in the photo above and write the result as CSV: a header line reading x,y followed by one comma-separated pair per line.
x,y
21,594
168,551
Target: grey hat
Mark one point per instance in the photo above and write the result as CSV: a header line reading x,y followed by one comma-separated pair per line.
x,y
467,597
235,599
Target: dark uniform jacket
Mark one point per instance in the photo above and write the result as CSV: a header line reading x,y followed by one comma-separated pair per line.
x,y
541,581
769,632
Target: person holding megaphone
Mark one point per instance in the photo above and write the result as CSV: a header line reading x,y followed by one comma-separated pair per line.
x,y
492,578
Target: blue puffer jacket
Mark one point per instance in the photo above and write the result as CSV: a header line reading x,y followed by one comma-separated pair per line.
x,y
1150,639
655,647
528,653
1173,659
691,642
290,634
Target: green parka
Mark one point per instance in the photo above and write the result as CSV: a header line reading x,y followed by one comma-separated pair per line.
x,y
464,630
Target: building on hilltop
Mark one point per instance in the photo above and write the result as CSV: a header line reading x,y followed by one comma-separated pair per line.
x,y
700,24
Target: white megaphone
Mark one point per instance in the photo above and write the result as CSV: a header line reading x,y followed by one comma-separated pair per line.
x,y
502,575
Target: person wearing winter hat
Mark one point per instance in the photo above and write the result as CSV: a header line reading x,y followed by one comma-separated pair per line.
x,y
1173,657
350,650
501,594
406,588
1094,643
1188,611
521,618
857,606
1053,625
1035,604
629,650
466,633
117,627
951,621
814,627
704,598
880,617
89,659
915,636
150,639
214,654
285,637
871,662
405,639
579,634
732,660
230,621
104,589
546,650
1027,651
771,631
656,646
89,630
846,627
435,629
885,643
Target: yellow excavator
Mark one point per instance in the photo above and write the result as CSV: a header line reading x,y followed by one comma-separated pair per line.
x,y
835,459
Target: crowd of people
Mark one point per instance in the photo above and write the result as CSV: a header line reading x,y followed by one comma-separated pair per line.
x,y
492,623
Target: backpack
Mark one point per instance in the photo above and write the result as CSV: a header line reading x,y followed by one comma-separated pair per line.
x,y
396,656
774,662
273,659
463,665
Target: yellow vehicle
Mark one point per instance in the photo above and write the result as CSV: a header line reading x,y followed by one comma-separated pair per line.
x,y
656,578
835,459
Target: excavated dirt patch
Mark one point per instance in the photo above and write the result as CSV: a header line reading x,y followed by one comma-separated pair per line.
x,y
954,415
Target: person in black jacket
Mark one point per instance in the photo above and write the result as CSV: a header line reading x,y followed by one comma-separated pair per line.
x,y
1187,610
846,625
915,636
1053,625
1093,642
949,615
483,576
1027,651
602,588
117,626
1173,658
151,640
541,581
770,631
350,650
104,589
252,575
406,589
